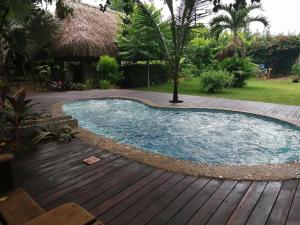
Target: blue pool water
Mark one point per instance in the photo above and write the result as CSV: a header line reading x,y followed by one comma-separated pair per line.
x,y
205,136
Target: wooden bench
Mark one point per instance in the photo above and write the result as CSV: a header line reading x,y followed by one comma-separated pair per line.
x,y
18,208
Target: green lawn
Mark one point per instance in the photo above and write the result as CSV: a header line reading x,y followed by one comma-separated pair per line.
x,y
275,91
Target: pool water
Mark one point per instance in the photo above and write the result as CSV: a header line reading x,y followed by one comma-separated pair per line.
x,y
204,136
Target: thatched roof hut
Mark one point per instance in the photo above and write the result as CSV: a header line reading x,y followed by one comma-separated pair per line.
x,y
88,33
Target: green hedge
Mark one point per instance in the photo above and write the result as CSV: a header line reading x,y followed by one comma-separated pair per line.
x,y
135,75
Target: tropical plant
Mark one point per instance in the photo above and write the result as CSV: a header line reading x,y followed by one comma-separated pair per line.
x,y
241,68
108,69
138,43
17,111
54,132
88,84
104,84
236,18
215,80
24,31
187,12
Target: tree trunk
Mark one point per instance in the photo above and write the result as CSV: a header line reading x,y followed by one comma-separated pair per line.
x,y
175,87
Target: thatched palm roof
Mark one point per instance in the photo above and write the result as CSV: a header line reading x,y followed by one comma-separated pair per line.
x,y
87,33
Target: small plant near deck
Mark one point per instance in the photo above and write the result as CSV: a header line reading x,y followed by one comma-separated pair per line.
x,y
54,132
88,84
18,110
215,80
108,69
104,84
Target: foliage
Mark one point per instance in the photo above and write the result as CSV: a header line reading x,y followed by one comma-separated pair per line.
x,y
215,80
108,68
54,132
104,84
88,84
58,86
182,17
42,74
18,109
25,29
278,52
117,5
201,49
296,69
138,42
237,20
296,73
241,68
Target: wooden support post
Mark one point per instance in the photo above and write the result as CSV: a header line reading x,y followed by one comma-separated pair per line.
x,y
148,73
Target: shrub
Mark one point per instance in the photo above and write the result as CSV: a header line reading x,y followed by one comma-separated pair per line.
x,y
215,80
104,84
296,73
241,68
108,69
88,84
296,70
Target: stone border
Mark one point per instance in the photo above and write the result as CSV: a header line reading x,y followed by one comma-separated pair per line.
x,y
283,171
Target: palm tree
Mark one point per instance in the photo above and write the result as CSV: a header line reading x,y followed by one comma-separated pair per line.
x,y
182,16
236,19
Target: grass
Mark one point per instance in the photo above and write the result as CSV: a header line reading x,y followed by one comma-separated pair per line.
x,y
273,90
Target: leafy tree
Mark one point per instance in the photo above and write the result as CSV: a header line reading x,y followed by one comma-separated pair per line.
x,y
117,5
137,42
25,29
180,24
278,52
236,19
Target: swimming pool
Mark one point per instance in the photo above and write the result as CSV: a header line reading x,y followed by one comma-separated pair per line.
x,y
203,136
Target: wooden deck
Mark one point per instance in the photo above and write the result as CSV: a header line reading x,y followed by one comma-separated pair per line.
x,y
120,191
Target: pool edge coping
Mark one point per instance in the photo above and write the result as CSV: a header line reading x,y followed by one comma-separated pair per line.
x,y
279,171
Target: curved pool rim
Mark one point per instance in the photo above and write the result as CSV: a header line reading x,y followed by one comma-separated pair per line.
x,y
272,171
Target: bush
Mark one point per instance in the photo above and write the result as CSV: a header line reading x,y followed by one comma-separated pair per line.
x,y
296,70
241,68
104,84
108,69
215,80
88,84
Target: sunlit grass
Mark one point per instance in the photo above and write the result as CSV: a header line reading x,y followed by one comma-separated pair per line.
x,y
273,90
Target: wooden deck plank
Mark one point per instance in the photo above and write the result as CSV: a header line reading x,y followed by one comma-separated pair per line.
x,y
115,211
226,209
162,202
184,215
283,203
130,213
90,190
171,210
73,184
208,209
294,215
265,204
246,205
114,200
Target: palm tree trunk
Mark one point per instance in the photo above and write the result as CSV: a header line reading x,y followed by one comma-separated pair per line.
x,y
175,81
